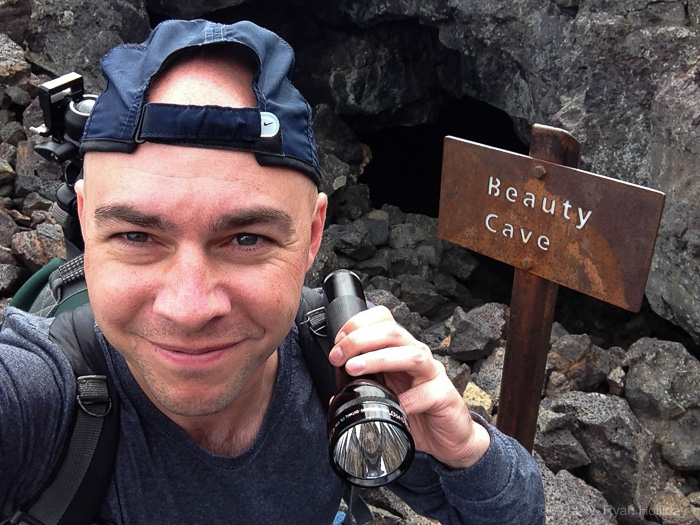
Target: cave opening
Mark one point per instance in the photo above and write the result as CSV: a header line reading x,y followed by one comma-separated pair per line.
x,y
406,160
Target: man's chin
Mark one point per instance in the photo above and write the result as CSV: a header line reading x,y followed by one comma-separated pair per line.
x,y
196,404
194,398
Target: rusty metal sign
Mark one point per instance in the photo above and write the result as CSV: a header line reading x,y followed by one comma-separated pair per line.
x,y
587,232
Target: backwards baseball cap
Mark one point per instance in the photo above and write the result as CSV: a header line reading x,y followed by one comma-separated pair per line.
x,y
278,131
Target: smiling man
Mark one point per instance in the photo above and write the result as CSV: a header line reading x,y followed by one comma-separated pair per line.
x,y
201,214
205,256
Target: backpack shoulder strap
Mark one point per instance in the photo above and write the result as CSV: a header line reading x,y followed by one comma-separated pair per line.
x,y
315,345
80,482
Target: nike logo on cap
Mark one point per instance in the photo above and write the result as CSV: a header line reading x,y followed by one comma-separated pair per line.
x,y
270,124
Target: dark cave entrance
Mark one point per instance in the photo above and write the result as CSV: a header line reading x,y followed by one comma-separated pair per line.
x,y
406,161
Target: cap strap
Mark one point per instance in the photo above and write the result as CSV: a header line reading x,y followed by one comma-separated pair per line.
x,y
164,122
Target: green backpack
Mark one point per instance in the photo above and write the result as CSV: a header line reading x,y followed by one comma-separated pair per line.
x,y
57,287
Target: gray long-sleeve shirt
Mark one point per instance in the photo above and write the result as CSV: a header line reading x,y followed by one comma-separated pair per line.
x,y
162,476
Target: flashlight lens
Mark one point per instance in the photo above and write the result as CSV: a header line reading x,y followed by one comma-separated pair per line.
x,y
370,443
372,451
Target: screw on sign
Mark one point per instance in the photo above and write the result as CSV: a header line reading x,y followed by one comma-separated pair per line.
x,y
556,225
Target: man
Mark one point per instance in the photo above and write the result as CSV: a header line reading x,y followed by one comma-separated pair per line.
x,y
200,214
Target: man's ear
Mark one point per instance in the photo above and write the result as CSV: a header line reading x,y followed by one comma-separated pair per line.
x,y
80,194
319,220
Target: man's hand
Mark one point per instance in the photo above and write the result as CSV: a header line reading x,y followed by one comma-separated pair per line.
x,y
372,342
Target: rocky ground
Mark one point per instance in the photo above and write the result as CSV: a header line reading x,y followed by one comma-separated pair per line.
x,y
617,429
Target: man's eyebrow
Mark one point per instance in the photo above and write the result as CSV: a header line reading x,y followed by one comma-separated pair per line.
x,y
228,221
124,213
259,215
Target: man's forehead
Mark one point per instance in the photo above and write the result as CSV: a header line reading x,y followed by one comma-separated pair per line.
x,y
123,189
169,168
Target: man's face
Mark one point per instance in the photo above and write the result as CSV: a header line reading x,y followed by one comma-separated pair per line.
x,y
194,260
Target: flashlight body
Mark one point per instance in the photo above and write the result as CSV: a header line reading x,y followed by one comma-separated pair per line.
x,y
340,310
346,298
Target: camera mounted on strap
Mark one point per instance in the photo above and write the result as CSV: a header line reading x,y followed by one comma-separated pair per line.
x,y
65,107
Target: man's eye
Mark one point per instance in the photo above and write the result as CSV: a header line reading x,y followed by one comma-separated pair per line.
x,y
136,237
247,239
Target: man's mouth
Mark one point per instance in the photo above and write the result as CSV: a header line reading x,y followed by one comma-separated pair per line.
x,y
193,350
193,356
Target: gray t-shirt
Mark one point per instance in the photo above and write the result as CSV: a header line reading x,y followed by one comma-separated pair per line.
x,y
162,476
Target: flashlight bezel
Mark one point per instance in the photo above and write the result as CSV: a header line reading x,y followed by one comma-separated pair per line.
x,y
356,407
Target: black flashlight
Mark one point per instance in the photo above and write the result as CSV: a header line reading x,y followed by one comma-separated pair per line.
x,y
370,442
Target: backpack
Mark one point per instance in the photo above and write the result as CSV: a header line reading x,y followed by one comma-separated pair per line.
x,y
77,487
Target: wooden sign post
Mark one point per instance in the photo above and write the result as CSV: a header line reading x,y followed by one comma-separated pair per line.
x,y
556,225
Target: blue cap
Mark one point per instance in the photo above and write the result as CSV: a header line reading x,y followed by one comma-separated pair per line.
x,y
278,131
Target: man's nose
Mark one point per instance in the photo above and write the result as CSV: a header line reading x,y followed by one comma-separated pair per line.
x,y
192,293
